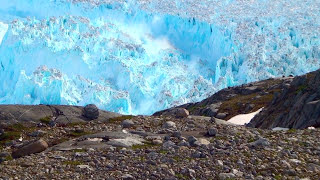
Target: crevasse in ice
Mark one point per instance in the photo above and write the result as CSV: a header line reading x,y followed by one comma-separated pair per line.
x,y
140,56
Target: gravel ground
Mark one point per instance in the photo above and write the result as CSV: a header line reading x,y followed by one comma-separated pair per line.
x,y
174,148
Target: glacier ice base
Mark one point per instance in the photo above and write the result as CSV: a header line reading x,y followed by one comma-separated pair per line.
x,y
137,57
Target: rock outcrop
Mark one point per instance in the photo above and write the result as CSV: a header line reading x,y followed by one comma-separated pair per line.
x,y
62,114
296,106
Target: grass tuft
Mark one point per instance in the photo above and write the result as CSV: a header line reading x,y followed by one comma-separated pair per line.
x,y
45,120
120,119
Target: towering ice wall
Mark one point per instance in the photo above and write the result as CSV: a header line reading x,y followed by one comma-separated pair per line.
x,y
139,56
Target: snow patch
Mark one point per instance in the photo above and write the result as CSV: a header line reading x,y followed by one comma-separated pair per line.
x,y
243,119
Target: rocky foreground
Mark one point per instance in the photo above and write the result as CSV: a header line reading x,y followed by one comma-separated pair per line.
x,y
175,145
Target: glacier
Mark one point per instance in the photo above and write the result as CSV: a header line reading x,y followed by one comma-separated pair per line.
x,y
141,56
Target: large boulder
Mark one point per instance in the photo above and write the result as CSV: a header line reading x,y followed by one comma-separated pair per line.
x,y
91,111
31,148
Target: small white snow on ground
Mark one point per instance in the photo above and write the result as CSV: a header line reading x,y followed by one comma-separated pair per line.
x,y
242,119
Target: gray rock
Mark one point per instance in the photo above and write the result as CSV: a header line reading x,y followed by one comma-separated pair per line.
x,y
183,143
157,141
290,172
220,163
196,154
31,148
169,125
225,176
221,115
181,113
200,142
176,134
212,132
168,144
84,167
38,133
313,167
192,140
127,123
91,111
127,177
260,143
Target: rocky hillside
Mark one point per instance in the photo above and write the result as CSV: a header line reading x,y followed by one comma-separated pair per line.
x,y
296,106
233,101
171,146
289,102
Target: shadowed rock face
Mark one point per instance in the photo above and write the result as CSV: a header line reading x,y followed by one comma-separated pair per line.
x,y
296,106
287,102
59,113
233,101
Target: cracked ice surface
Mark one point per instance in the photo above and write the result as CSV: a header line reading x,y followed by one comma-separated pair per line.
x,y
141,56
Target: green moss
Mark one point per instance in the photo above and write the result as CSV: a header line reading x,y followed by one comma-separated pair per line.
x,y
78,134
301,88
13,132
9,136
291,131
145,145
45,120
180,176
163,152
177,158
233,108
79,150
120,119
8,158
72,163
278,177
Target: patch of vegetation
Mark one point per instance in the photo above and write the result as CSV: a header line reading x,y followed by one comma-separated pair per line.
x,y
72,163
79,150
224,138
301,88
8,158
163,152
78,133
233,108
278,177
290,131
145,145
45,120
180,176
177,158
13,132
120,119
9,136
251,140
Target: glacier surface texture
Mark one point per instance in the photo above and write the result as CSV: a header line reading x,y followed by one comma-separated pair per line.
x,y
140,56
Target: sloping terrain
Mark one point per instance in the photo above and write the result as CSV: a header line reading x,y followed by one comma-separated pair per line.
x,y
289,102
296,106
232,101
164,147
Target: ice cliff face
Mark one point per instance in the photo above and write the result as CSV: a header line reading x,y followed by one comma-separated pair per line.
x,y
138,57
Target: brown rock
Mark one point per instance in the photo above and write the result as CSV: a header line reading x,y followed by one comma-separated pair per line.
x,y
31,148
181,113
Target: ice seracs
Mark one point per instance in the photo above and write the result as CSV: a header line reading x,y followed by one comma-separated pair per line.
x,y
138,57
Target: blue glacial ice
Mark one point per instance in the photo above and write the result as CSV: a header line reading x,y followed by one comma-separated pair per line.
x,y
140,56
